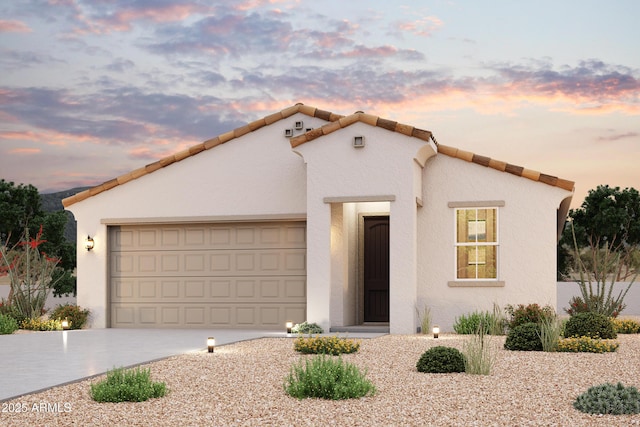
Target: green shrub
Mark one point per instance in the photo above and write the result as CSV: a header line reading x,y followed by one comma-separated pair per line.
x,y
590,324
441,360
626,326
586,345
307,328
470,323
525,337
132,385
41,325
609,399
10,310
8,324
326,377
77,316
325,345
531,313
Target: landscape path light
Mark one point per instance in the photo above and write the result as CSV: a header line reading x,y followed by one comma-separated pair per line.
x,y
436,331
211,343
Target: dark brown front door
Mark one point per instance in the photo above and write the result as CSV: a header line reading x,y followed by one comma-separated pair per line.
x,y
376,269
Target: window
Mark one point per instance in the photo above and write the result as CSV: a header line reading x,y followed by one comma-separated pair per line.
x,y
476,243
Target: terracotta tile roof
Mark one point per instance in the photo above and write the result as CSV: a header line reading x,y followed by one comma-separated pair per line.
x,y
336,122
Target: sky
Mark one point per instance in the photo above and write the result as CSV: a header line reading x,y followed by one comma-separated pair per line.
x,y
92,89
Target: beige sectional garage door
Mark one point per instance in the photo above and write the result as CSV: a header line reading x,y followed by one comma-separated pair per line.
x,y
236,275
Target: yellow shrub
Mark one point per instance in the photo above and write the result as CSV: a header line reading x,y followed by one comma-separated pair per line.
x,y
587,345
326,345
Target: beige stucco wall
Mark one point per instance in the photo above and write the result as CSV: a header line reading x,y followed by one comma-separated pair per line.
x,y
527,238
384,168
255,176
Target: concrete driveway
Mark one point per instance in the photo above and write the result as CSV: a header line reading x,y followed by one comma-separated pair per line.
x,y
34,361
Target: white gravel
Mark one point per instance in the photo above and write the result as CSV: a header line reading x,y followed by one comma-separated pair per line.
x,y
242,385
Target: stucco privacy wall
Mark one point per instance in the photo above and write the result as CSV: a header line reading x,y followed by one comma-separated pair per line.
x,y
527,238
338,172
256,176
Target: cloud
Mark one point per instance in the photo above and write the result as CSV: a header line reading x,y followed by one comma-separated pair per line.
x,y
27,151
423,27
14,27
619,136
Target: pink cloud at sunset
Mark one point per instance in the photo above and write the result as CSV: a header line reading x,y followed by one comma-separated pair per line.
x,y
13,27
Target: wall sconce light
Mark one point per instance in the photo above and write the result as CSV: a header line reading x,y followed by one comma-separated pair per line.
x,y
358,141
211,343
88,243
289,325
65,323
436,331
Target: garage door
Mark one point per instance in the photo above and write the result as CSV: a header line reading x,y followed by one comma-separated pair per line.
x,y
238,275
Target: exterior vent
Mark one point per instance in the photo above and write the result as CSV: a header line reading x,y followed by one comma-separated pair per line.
x,y
288,133
299,125
308,129
358,141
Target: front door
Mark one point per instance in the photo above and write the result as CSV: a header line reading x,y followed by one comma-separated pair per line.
x,y
376,269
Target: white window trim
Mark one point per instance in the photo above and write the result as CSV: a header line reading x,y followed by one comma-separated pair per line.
x,y
475,282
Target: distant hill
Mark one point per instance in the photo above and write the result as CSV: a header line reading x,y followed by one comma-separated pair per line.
x,y
52,202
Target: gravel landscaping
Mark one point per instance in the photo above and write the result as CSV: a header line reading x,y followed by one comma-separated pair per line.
x,y
242,385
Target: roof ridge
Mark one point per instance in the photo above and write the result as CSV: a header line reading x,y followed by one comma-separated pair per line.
x,y
336,122
203,146
506,167
369,119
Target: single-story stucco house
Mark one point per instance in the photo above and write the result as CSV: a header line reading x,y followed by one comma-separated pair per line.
x,y
310,215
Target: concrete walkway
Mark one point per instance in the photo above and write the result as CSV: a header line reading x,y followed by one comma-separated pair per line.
x,y
36,361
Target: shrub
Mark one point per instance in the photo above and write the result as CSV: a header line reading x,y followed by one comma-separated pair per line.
x,y
479,356
525,337
77,316
586,345
609,399
550,333
531,313
325,345
133,385
626,326
326,377
470,323
441,360
590,324
41,325
8,324
307,328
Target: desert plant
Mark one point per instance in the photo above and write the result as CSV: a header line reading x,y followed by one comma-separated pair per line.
x,y
525,337
326,377
441,360
590,324
626,326
41,325
586,345
550,333
307,328
31,275
479,355
467,324
425,319
531,313
8,324
325,345
76,316
498,321
609,399
127,385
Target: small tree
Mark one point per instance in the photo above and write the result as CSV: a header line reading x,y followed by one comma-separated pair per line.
x,y
605,237
30,274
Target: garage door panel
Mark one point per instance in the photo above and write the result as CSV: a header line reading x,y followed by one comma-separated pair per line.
x,y
282,289
236,263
